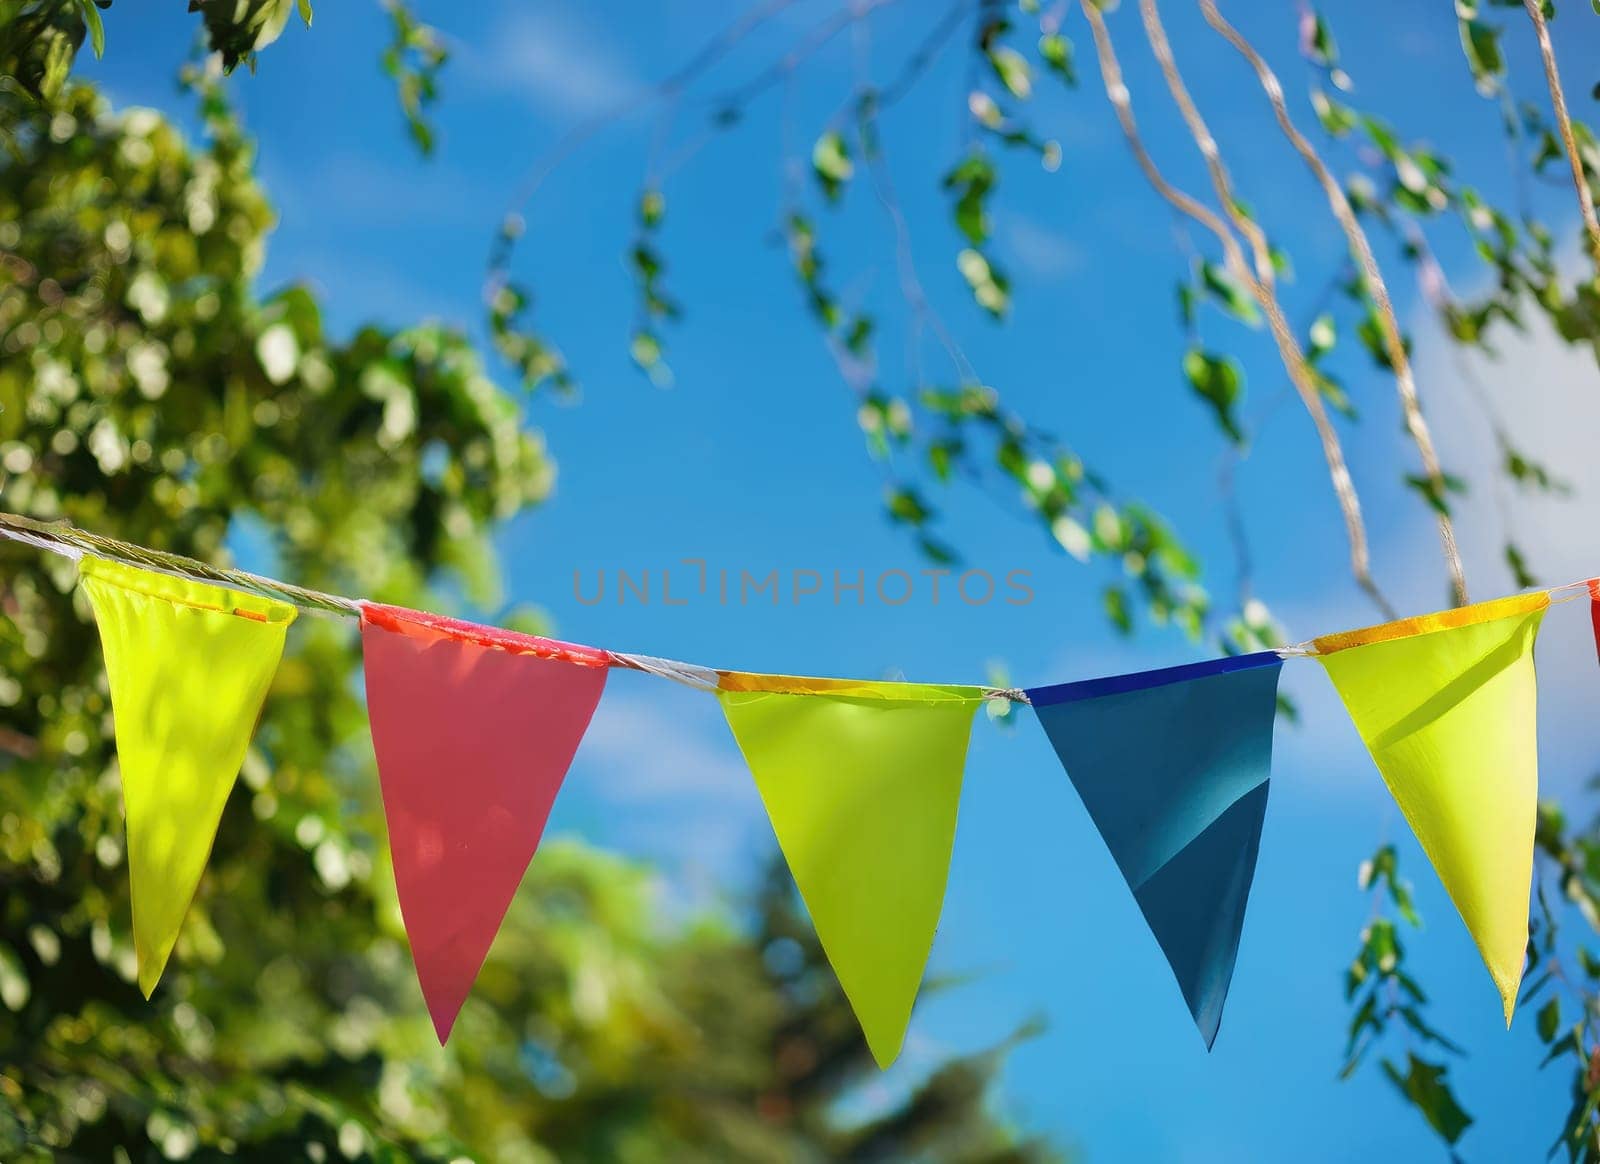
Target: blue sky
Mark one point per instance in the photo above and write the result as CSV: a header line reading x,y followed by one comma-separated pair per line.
x,y
752,461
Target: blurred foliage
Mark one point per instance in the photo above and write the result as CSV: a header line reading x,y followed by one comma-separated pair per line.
x,y
147,390
237,29
41,38
414,59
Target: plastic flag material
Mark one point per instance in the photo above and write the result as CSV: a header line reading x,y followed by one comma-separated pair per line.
x,y
1594,610
189,665
861,782
474,730
1172,766
1446,704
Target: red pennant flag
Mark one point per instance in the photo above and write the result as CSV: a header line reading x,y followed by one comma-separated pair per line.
x,y
1594,610
474,728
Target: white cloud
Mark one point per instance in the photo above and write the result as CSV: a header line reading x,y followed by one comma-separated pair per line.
x,y
556,63
676,785
373,193
1043,252
654,750
1546,394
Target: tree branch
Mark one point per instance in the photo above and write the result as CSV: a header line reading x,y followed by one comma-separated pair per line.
x,y
1289,349
674,83
1558,101
1361,248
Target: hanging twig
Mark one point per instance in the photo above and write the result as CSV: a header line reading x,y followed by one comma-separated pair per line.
x,y
871,102
917,64
1394,341
666,89
1558,102
67,540
1288,347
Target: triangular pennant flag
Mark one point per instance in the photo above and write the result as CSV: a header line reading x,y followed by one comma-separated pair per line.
x,y
1172,766
189,665
474,730
861,782
1594,610
1446,704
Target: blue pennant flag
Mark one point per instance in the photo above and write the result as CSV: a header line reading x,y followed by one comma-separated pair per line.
x,y
1172,766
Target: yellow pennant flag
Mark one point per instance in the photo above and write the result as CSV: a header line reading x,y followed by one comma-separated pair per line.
x,y
1446,704
189,665
861,782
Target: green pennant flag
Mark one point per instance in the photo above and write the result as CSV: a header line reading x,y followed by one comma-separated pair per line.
x,y
1448,706
861,782
189,665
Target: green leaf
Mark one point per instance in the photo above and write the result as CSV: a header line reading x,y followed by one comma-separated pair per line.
x,y
938,552
97,29
15,988
1380,864
1531,474
1400,894
1435,492
859,337
1425,1085
1056,52
645,349
1229,294
1337,118
1321,337
1186,305
1371,333
1366,1016
1519,568
989,285
1549,1019
646,263
941,456
305,12
1317,43
974,179
1567,1042
652,208
1115,602
1384,945
1590,964
1072,537
830,162
1012,68
906,507
1481,43
1219,381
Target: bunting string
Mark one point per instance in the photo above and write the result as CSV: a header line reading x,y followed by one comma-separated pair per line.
x,y
70,541
475,728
